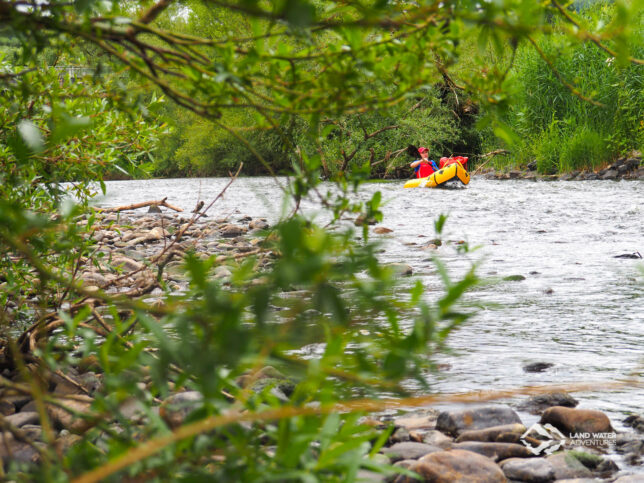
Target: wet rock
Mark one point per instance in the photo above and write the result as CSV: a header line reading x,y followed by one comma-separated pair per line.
x,y
628,443
576,420
630,479
22,418
565,466
491,435
176,408
609,174
93,278
381,230
539,403
65,419
258,224
266,377
401,269
19,452
634,256
514,278
436,438
400,435
455,465
125,263
408,450
496,451
537,366
154,209
532,470
454,422
360,220
231,231
415,421
636,422
222,272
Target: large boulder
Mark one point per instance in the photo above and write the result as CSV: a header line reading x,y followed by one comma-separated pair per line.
x,y
573,421
533,470
454,422
455,465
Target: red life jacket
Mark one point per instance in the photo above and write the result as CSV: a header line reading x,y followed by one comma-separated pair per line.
x,y
455,159
424,169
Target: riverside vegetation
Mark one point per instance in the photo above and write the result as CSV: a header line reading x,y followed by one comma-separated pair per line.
x,y
98,347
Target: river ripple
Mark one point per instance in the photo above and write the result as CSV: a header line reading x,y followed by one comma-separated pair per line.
x,y
578,307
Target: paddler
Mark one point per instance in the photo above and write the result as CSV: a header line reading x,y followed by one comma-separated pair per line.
x,y
424,166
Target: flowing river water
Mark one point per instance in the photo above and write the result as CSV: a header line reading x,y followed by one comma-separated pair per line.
x,y
578,308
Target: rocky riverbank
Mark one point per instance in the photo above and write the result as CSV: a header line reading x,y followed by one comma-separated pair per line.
x,y
627,168
141,257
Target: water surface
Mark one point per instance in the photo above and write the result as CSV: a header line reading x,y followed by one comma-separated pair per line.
x,y
578,307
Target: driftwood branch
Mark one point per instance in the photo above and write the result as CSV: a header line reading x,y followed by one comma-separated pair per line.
x,y
135,206
491,156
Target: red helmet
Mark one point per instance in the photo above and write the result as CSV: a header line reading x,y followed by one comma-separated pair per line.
x,y
422,150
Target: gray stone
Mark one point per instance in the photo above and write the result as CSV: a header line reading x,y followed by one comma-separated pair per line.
x,y
630,479
532,470
537,404
454,422
496,451
408,451
176,408
22,418
231,231
436,438
258,224
610,174
491,435
401,269
566,465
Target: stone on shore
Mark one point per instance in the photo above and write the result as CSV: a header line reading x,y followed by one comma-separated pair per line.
x,y
436,438
176,408
576,420
454,422
455,465
22,418
565,466
532,470
496,451
539,403
408,451
493,434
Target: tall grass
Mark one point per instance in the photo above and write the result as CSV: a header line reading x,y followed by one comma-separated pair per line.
x,y
559,129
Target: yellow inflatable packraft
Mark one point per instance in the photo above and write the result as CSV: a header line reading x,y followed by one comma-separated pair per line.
x,y
442,176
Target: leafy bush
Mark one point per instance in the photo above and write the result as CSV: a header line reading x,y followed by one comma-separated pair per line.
x,y
561,128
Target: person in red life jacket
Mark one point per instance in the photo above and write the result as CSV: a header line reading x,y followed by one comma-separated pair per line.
x,y
423,167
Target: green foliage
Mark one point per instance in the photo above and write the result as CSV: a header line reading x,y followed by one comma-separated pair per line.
x,y
292,83
556,126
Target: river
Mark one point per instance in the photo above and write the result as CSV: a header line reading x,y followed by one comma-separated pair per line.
x,y
578,308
